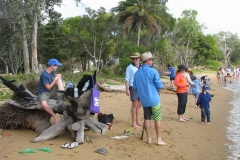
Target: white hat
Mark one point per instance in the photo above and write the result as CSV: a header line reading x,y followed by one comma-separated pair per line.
x,y
146,56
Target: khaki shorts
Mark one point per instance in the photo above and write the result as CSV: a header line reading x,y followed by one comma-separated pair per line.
x,y
45,96
154,112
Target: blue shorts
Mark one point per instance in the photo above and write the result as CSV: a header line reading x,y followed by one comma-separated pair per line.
x,y
133,94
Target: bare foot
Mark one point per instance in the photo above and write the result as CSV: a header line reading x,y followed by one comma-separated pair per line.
x,y
149,141
202,123
161,143
56,120
208,123
182,120
139,124
135,126
185,119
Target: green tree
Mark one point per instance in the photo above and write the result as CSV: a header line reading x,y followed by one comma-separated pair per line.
x,y
136,14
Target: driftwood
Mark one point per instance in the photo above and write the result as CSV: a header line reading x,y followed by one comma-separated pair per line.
x,y
75,111
105,89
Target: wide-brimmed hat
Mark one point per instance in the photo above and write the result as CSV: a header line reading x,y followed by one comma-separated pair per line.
x,y
146,56
136,55
206,87
54,61
189,70
182,67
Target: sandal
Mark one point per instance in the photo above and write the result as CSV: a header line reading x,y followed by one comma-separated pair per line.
x,y
72,145
65,145
101,151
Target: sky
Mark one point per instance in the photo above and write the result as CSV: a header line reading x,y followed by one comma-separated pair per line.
x,y
216,15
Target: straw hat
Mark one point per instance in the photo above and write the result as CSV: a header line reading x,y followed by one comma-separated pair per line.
x,y
136,55
189,70
146,56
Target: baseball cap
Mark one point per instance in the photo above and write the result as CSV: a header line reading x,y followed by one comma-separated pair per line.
x,y
206,87
54,61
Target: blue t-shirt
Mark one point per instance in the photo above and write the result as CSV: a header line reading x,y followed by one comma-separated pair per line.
x,y
45,78
172,74
203,100
147,83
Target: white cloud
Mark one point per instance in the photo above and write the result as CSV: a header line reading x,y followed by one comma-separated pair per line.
x,y
217,15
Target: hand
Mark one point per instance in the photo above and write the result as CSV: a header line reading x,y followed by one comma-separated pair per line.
x,y
127,92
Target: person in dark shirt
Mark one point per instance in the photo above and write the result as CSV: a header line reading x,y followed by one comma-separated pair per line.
x,y
203,102
171,75
50,86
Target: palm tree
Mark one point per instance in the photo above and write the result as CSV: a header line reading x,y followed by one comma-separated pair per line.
x,y
135,14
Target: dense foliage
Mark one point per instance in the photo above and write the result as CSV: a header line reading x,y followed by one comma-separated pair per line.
x,y
31,32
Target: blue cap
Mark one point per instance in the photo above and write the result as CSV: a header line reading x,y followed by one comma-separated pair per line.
x,y
54,61
206,87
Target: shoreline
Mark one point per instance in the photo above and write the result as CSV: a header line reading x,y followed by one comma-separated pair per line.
x,y
185,140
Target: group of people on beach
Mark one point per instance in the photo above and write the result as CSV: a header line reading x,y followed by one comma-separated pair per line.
x,y
143,85
223,73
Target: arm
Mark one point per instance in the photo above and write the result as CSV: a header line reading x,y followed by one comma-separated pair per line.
x,y
127,79
189,79
56,78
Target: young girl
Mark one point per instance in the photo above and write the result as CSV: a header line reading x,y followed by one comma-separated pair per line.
x,y
203,102
195,89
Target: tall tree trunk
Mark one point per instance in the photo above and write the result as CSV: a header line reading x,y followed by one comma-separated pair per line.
x,y
25,54
34,44
139,31
6,66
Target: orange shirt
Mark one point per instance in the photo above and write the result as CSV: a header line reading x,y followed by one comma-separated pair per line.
x,y
180,82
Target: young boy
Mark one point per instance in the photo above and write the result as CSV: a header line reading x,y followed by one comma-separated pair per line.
x,y
195,89
203,102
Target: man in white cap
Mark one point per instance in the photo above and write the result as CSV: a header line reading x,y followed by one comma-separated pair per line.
x,y
50,85
148,85
129,78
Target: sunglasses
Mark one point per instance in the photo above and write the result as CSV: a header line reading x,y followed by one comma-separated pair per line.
x,y
151,59
134,58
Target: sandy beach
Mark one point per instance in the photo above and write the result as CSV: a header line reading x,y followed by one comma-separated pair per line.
x,y
185,140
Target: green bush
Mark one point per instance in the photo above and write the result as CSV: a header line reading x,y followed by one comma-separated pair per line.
x,y
211,64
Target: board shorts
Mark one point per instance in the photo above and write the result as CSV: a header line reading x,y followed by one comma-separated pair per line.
x,y
154,112
45,96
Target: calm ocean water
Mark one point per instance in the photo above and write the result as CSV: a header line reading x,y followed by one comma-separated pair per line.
x,y
233,130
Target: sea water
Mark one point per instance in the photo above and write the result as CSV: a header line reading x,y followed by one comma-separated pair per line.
x,y
233,130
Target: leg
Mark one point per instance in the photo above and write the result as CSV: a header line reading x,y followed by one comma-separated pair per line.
x,y
208,116
203,115
134,113
185,96
158,132
180,106
139,108
147,124
48,109
59,84
157,117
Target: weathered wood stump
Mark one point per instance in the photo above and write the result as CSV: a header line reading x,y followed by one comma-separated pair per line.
x,y
75,111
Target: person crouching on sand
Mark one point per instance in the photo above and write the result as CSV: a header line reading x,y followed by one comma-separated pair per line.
x,y
203,102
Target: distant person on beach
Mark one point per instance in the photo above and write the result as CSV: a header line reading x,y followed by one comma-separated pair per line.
x,y
203,102
195,90
129,78
222,73
148,85
228,72
171,75
50,86
182,92
219,75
